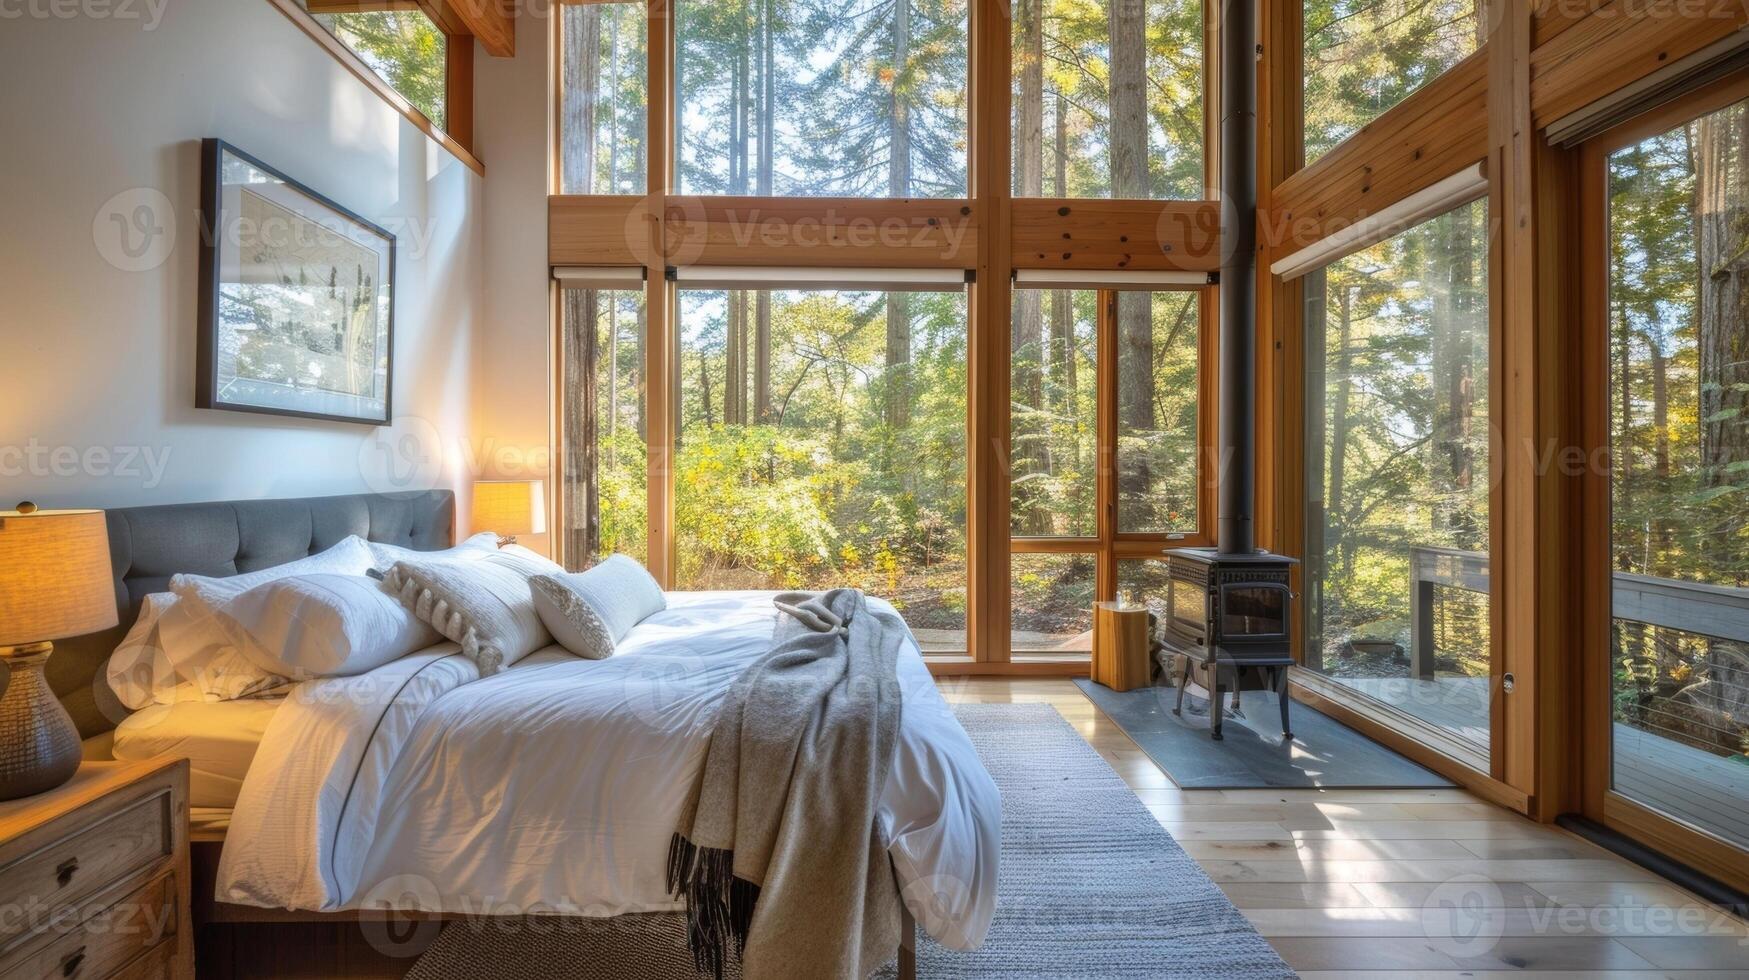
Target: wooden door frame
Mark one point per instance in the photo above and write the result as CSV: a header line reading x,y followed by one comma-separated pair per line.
x,y
1599,801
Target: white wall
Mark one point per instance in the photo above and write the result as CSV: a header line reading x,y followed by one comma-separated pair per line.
x,y
513,372
97,361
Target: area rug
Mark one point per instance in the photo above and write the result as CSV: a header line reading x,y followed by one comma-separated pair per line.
x,y
1089,886
1324,752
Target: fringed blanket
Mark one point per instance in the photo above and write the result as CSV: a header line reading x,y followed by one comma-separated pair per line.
x,y
777,856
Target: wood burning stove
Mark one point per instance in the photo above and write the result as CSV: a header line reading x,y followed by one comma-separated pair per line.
x,y
1228,619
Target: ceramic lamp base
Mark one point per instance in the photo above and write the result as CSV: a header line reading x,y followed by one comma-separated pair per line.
x,y
39,747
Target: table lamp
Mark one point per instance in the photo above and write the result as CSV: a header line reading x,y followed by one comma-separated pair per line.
x,y
55,582
510,507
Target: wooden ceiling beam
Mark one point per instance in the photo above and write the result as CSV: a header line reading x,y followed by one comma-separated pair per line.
x,y
491,21
1434,133
1618,44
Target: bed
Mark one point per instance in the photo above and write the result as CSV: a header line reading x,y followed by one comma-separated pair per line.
x,y
552,786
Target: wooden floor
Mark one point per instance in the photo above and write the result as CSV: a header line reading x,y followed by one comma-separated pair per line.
x,y
1411,883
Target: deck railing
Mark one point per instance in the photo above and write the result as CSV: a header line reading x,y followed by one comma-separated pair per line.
x,y
1716,611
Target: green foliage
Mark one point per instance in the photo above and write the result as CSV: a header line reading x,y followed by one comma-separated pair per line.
x,y
1364,56
404,47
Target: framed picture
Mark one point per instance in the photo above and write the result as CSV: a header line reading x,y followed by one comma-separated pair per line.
x,y
297,297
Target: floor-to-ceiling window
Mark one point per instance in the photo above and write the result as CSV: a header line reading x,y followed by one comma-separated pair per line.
x,y
601,424
822,443
1675,259
1104,428
1398,474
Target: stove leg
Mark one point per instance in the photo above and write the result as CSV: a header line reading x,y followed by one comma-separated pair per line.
x,y
1183,679
1217,696
1281,683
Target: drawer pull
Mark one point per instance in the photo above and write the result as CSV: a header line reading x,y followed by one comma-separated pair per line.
x,y
73,962
65,871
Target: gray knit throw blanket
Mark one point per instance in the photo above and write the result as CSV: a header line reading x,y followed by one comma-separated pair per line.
x,y
777,856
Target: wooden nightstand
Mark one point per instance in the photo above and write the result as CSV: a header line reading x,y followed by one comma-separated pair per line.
x,y
94,876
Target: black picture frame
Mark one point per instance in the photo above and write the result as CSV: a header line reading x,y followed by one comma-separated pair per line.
x,y
217,387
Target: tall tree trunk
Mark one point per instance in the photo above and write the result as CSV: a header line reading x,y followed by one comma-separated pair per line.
x,y
898,356
582,67
763,187
582,95
1335,507
1722,216
1030,440
1129,179
1062,357
582,351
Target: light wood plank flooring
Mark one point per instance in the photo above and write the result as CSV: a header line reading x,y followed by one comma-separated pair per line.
x,y
1431,883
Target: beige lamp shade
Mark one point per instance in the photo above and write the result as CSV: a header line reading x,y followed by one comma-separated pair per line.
x,y
55,578
510,507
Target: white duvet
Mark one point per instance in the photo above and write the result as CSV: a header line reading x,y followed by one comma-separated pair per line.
x,y
555,785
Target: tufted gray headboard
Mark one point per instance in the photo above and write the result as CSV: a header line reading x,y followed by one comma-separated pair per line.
x,y
147,545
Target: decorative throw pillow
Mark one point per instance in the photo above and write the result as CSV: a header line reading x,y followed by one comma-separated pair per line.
x,y
590,612
487,605
323,625
191,632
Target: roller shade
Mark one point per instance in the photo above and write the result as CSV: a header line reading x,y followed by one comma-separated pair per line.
x,y
599,277
1705,66
873,280
1101,279
1469,184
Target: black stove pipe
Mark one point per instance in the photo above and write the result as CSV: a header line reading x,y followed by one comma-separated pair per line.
x,y
1238,191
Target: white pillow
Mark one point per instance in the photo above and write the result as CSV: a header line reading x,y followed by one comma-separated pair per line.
x,y
590,612
322,625
195,641
478,546
486,605
138,672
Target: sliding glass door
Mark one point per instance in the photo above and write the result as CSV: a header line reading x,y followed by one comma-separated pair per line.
x,y
1397,561
1669,330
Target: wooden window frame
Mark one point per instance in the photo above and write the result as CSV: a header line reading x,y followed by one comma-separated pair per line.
x,y
1599,799
993,234
458,99
1108,545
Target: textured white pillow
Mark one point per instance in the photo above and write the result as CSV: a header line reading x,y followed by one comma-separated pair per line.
x,y
590,612
486,605
138,672
194,639
322,625
478,546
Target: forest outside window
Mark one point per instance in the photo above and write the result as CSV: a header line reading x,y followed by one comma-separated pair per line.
x,y
1104,468
812,98
603,96
401,45
1108,99
601,417
1364,56
1397,466
1678,410
822,443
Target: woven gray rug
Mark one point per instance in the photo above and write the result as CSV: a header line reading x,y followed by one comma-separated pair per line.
x,y
1090,886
